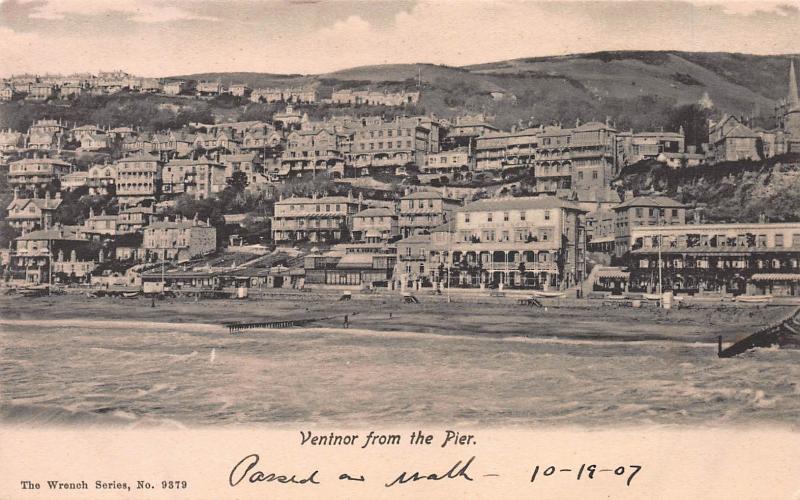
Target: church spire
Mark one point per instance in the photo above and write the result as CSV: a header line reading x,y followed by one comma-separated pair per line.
x,y
794,99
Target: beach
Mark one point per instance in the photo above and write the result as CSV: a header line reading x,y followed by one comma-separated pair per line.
x,y
124,362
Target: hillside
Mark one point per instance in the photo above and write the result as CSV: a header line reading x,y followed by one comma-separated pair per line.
x,y
739,191
635,88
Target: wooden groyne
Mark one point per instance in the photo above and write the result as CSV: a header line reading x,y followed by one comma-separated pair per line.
x,y
784,334
235,327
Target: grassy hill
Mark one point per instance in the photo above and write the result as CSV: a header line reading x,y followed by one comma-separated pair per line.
x,y
635,88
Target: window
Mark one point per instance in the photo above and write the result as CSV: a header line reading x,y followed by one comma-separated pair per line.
x,y
489,217
408,252
594,174
580,175
466,218
674,212
505,216
638,212
778,240
547,215
422,253
522,215
389,144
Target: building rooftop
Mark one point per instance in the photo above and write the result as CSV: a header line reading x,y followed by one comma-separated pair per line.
x,y
376,212
649,201
67,233
522,203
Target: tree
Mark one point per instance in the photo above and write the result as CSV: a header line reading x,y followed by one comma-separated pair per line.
x,y
694,120
238,181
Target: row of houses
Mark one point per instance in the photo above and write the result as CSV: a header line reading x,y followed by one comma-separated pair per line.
x,y
46,87
62,253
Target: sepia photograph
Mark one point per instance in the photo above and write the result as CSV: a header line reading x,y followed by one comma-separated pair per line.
x,y
335,218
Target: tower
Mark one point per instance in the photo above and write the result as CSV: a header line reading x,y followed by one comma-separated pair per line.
x,y
792,115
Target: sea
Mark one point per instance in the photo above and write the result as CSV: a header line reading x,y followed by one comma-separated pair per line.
x,y
138,374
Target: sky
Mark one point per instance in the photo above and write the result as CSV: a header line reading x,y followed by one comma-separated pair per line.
x,y
162,38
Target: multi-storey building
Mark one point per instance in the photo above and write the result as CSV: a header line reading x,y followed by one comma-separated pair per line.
x,y
70,90
374,98
732,140
375,225
11,142
377,144
239,90
352,264
752,258
296,95
101,179
593,154
643,211
312,151
490,150
248,163
455,160
134,219
138,178
175,87
33,173
552,161
179,239
200,178
100,226
37,252
465,130
209,88
47,127
41,91
421,211
535,242
314,219
638,146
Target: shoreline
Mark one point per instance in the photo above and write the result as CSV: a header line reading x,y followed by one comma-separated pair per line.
x,y
498,320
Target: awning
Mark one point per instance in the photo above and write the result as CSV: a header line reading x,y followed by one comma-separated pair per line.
x,y
602,239
613,273
776,277
355,261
